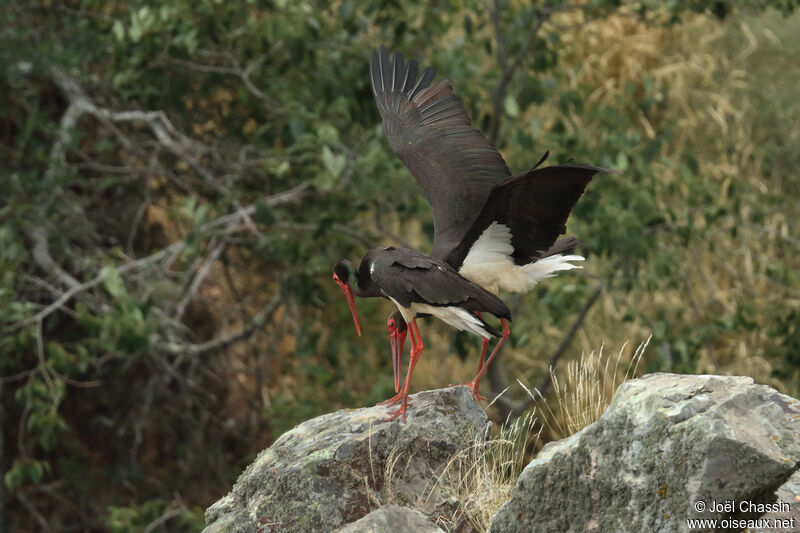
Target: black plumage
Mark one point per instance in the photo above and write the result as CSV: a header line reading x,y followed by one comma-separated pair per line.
x,y
429,130
462,175
535,206
418,284
409,277
470,188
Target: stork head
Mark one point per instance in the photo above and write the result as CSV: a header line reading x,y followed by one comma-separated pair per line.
x,y
343,272
397,335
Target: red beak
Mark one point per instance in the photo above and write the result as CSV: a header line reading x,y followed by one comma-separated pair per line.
x,y
397,338
351,303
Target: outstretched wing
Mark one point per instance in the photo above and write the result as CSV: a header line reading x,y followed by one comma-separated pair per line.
x,y
429,130
533,207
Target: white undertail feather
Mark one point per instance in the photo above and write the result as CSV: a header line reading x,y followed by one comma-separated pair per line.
x,y
460,319
490,265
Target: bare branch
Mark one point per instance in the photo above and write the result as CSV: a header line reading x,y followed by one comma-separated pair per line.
x,y
199,277
169,253
165,516
40,354
232,69
355,235
494,16
163,130
34,512
40,252
197,67
77,383
137,219
768,231
277,199
567,340
258,93
258,322
508,407
19,375
507,68
175,248
390,233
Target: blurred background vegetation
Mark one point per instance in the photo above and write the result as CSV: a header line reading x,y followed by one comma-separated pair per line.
x,y
178,177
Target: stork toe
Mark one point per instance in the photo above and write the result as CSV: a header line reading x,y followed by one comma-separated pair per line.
x,y
393,400
401,412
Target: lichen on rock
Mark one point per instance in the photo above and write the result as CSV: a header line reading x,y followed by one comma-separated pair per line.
x,y
334,469
665,443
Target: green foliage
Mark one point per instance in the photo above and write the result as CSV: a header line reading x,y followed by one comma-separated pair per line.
x,y
139,517
25,470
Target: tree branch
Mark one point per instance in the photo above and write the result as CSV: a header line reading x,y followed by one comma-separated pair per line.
x,y
165,516
508,407
258,322
508,69
162,129
199,277
233,69
40,252
43,523
567,340
170,252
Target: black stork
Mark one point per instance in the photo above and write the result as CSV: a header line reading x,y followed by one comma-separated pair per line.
x,y
489,226
419,284
547,265
550,263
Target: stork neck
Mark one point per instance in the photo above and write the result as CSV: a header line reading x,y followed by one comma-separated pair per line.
x,y
364,286
354,281
361,286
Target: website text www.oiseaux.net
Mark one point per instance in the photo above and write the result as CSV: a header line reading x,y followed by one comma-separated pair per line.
x,y
731,507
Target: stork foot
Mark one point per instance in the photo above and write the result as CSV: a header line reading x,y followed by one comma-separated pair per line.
x,y
401,412
473,387
393,400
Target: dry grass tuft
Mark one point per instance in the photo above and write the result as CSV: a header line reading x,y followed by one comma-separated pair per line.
x,y
480,476
472,485
583,391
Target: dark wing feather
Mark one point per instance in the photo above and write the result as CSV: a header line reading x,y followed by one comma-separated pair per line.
x,y
429,130
411,277
567,244
535,206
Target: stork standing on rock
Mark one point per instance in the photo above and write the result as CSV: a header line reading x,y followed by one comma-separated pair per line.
x,y
491,229
550,263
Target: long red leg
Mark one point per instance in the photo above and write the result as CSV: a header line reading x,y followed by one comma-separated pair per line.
x,y
399,396
476,382
484,344
416,349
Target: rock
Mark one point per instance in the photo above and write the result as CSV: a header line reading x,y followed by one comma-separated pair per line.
x,y
392,519
789,494
664,444
336,468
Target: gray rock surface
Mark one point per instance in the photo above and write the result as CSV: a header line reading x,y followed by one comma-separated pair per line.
x,y
334,469
665,443
788,493
392,519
